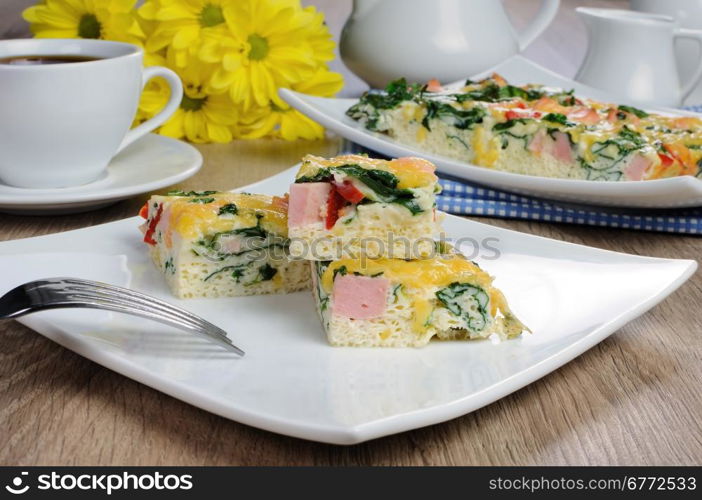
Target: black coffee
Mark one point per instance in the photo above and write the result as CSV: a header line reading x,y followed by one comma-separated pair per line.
x,y
44,60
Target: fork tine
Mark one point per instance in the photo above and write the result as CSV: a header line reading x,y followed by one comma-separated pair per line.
x,y
125,302
147,298
46,295
84,291
93,287
112,289
144,313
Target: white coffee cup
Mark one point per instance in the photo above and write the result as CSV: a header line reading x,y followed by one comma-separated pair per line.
x,y
61,124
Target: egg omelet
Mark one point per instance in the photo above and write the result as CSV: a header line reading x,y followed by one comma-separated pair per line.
x,y
406,303
212,244
535,130
353,205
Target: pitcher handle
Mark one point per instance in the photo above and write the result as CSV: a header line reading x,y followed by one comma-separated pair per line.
x,y
697,36
171,106
543,18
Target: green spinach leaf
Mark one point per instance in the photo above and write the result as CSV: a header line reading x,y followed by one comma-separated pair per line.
x,y
229,208
178,192
454,296
634,111
558,118
462,119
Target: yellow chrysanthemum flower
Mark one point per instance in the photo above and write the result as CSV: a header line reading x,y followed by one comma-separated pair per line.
x,y
277,50
285,123
288,123
203,115
103,19
182,25
319,37
323,83
232,56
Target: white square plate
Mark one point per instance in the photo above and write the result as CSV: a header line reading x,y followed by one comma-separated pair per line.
x,y
676,192
292,382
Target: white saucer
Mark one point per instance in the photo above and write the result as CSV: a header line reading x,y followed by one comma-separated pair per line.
x,y
152,162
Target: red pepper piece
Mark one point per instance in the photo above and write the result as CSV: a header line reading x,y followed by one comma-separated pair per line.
x,y
144,211
149,235
522,113
334,203
666,160
511,115
349,192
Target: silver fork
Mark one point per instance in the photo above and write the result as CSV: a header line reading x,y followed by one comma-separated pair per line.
x,y
57,293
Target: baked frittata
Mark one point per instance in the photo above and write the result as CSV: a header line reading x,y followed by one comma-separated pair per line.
x,y
354,205
534,130
211,244
399,303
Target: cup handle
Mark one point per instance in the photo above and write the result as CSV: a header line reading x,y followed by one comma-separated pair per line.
x,y
173,102
547,11
697,36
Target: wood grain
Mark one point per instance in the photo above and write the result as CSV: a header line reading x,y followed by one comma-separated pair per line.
x,y
633,399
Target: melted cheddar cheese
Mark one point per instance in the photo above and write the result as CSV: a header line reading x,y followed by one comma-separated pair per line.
x,y
485,153
438,272
417,276
411,172
192,220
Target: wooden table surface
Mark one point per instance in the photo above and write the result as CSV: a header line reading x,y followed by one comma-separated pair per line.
x,y
633,399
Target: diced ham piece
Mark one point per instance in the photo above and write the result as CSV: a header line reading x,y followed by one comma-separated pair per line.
x,y
360,297
306,202
231,244
537,142
584,114
434,85
559,146
636,168
561,149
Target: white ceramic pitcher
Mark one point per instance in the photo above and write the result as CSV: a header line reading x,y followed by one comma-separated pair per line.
x,y
423,39
689,14
631,54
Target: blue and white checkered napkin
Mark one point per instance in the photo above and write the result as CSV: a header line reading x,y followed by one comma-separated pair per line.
x,y
463,198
